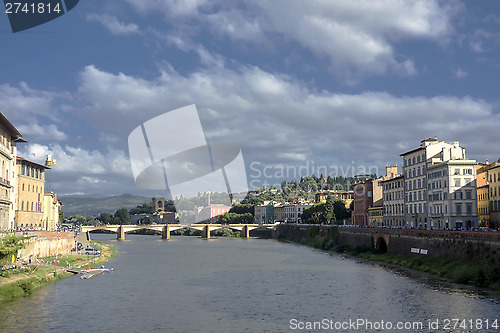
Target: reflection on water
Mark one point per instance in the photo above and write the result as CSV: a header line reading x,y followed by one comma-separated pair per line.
x,y
237,285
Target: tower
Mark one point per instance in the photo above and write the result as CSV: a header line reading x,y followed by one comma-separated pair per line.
x,y
159,205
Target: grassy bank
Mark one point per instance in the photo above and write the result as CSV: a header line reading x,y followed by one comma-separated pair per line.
x,y
483,274
22,281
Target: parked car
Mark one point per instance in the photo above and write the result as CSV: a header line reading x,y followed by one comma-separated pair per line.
x,y
90,250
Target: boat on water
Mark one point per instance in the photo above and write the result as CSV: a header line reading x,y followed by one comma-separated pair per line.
x,y
90,272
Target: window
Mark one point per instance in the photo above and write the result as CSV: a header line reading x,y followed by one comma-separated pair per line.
x,y
468,195
468,209
457,171
458,208
22,205
457,182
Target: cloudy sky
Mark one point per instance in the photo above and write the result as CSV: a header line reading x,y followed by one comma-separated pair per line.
x,y
340,84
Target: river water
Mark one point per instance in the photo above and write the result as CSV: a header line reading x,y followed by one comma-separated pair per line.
x,y
187,284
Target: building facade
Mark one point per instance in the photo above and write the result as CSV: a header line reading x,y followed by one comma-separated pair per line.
x,y
393,201
209,213
452,195
9,137
346,196
415,163
51,209
363,200
30,194
376,216
494,187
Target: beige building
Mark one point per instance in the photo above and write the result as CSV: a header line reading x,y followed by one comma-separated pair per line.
x,y
9,137
394,203
30,194
452,194
51,208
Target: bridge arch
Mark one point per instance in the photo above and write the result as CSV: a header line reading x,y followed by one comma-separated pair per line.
x,y
381,245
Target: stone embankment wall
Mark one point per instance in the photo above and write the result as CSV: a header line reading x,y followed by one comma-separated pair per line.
x,y
48,243
465,245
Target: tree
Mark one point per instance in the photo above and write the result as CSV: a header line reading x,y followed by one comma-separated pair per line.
x,y
9,245
313,214
242,209
341,212
122,216
329,212
106,218
141,209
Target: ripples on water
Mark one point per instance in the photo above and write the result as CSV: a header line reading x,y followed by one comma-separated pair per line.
x,y
238,285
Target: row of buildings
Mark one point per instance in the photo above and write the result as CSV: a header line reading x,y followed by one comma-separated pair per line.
x,y
24,203
439,188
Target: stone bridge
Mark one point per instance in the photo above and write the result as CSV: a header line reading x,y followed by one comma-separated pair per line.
x,y
166,229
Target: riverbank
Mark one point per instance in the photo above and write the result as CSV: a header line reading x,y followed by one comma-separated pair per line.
x,y
481,274
23,280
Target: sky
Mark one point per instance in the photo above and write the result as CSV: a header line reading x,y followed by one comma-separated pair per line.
x,y
340,86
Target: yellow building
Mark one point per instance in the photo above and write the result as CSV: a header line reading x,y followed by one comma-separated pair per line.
x,y
9,137
494,187
346,196
483,205
488,195
30,194
376,216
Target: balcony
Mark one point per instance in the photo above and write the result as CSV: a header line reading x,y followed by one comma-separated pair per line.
x,y
4,182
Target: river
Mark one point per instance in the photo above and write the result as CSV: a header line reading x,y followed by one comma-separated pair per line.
x,y
187,284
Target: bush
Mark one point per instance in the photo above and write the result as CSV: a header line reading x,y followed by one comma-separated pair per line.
x,y
462,275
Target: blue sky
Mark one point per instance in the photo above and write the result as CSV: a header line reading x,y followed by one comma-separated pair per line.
x,y
333,83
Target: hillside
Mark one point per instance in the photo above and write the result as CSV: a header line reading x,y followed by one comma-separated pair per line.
x,y
88,207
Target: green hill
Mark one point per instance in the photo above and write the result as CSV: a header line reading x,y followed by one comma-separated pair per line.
x,y
88,207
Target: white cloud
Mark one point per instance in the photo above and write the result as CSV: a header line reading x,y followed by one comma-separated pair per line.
x,y
171,8
17,103
357,37
277,119
113,25
82,170
35,132
460,74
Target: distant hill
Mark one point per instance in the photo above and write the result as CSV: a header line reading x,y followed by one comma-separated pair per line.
x,y
88,207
